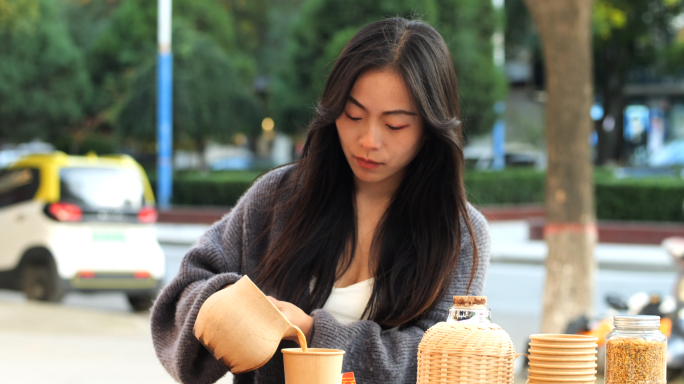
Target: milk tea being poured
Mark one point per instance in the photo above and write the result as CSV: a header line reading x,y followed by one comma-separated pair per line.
x,y
301,338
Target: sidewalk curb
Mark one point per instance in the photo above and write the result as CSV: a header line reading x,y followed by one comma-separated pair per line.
x,y
602,265
621,232
180,234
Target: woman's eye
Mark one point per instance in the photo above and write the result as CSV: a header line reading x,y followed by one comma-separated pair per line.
x,y
396,128
352,118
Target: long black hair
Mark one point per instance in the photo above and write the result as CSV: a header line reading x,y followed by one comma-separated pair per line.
x,y
416,245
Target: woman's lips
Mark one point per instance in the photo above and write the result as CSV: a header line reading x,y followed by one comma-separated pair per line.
x,y
367,163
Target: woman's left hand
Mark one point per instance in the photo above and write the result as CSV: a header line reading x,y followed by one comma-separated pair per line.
x,y
296,316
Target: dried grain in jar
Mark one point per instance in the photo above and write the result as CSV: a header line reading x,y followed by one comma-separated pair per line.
x,y
635,351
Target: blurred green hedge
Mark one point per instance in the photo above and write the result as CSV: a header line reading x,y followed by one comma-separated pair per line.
x,y
640,199
208,188
512,186
645,199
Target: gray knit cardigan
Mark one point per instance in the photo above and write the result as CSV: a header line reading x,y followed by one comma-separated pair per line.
x,y
233,247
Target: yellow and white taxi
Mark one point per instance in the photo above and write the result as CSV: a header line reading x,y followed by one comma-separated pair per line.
x,y
79,223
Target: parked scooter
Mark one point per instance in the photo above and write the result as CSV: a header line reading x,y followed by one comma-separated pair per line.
x,y
675,342
639,304
670,309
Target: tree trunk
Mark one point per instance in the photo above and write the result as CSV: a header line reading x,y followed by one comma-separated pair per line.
x,y
570,231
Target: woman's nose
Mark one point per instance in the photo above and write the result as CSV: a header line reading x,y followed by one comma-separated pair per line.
x,y
370,138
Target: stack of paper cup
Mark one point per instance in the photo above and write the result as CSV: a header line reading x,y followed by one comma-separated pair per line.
x,y
562,359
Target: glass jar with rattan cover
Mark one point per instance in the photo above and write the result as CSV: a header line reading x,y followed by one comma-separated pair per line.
x,y
467,348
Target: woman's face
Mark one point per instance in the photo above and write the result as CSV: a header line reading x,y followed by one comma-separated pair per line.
x,y
380,129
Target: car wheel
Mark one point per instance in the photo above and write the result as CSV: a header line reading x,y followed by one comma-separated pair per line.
x,y
141,302
40,282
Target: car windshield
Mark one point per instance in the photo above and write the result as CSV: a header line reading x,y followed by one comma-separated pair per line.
x,y
102,188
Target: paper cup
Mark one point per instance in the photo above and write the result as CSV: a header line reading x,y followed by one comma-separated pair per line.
x,y
572,364
315,366
535,381
563,373
562,351
564,379
548,359
531,381
542,364
547,381
578,345
562,338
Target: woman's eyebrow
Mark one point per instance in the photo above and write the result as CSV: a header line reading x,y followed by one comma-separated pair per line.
x,y
393,112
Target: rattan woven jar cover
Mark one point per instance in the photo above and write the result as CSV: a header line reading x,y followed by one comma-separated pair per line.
x,y
467,349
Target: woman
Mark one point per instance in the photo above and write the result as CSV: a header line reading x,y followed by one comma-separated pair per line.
x,y
363,242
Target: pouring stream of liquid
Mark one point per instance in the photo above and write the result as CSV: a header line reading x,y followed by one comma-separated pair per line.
x,y
301,338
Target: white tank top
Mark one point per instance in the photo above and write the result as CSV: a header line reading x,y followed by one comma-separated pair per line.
x,y
347,304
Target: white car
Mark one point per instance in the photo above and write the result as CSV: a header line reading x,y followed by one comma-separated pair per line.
x,y
79,223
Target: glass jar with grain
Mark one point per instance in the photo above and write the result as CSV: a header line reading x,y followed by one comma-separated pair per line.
x,y
635,351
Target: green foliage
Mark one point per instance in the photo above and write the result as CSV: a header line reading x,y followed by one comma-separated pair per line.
x,y
210,18
467,27
323,27
520,29
673,56
212,78
18,14
272,53
209,98
615,19
43,82
627,33
250,30
127,41
633,28
74,68
606,18
91,142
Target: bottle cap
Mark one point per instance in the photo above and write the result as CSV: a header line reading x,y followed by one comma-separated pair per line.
x,y
470,301
636,321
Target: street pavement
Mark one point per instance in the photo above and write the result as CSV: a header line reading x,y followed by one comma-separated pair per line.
x,y
96,339
86,339
511,244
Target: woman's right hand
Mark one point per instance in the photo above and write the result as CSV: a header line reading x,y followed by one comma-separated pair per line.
x,y
295,316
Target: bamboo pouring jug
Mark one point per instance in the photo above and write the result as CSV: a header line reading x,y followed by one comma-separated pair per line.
x,y
242,328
